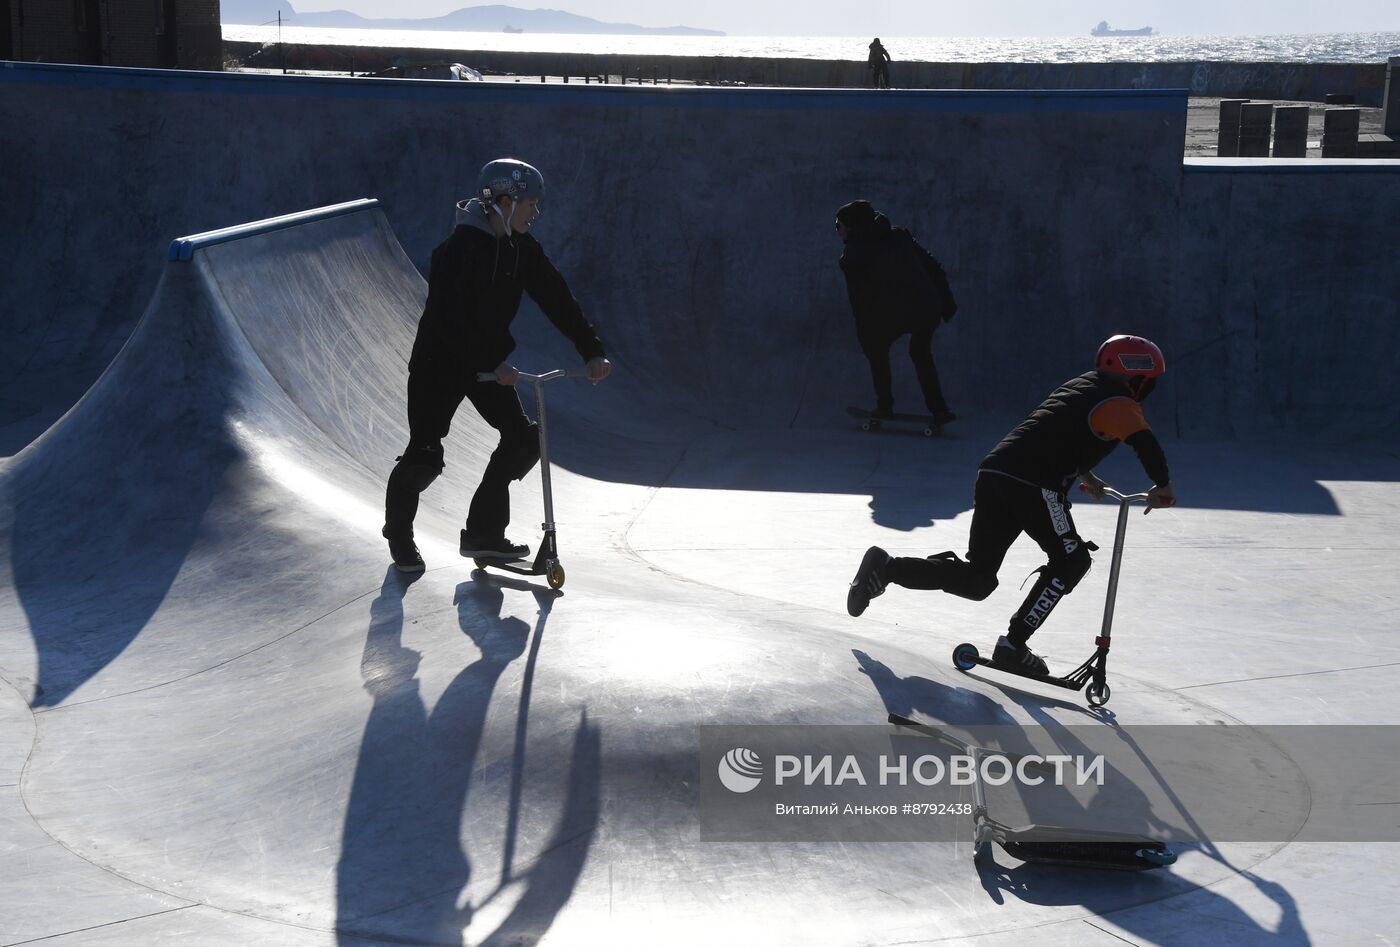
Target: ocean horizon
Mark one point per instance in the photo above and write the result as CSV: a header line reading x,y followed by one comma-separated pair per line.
x,y
1293,47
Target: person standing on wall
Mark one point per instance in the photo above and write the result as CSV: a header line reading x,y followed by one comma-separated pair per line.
x,y
879,65
474,287
896,288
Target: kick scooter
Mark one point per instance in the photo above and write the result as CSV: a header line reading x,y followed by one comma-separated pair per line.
x,y
547,559
1047,844
1094,671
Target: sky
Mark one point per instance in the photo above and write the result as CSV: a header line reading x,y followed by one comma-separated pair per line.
x,y
886,18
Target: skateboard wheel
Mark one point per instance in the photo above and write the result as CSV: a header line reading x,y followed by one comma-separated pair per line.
x,y
928,432
1097,694
964,656
868,425
554,575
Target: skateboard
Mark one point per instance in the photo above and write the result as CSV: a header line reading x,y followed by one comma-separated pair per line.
x,y
868,422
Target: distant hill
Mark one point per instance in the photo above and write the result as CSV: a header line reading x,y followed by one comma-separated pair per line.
x,y
495,18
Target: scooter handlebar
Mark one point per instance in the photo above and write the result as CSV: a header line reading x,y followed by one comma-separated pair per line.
x,y
1120,497
543,376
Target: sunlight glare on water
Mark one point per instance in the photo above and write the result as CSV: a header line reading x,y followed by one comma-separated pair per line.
x,y
1300,47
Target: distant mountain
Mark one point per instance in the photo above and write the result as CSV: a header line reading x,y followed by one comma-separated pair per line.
x,y
495,18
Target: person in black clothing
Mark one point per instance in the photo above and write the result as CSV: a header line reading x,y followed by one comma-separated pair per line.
x,y
896,288
1021,487
474,286
879,63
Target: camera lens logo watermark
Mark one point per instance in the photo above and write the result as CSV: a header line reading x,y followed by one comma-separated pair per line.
x,y
740,770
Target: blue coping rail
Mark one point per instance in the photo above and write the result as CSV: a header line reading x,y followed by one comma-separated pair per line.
x,y
182,248
534,93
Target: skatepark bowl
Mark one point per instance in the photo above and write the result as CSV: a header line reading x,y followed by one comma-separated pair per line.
x,y
226,719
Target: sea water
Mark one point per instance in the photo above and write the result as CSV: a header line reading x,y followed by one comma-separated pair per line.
x,y
1298,47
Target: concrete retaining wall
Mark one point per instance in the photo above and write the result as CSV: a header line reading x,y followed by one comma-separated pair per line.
x,y
1309,82
696,227
1287,295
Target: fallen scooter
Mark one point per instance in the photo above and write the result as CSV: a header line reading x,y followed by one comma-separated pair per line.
x,y
1046,844
547,558
1094,671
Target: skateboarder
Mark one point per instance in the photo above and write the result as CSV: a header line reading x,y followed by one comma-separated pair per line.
x,y
896,288
474,287
1021,487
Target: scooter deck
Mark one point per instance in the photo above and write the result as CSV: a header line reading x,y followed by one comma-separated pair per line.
x,y
1091,672
1051,845
1043,678
545,563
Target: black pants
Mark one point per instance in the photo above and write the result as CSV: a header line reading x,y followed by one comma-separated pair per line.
x,y
1004,509
431,406
881,75
877,353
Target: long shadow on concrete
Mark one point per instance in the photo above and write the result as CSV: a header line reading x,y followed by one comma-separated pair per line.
x,y
403,871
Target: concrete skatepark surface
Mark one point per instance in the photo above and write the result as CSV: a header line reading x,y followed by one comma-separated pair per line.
x,y
224,719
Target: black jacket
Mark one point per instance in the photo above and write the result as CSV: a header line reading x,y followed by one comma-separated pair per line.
x,y
474,290
895,285
1056,442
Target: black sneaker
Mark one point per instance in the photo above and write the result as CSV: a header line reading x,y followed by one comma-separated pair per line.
x,y
474,547
406,556
869,581
1018,657
882,414
944,417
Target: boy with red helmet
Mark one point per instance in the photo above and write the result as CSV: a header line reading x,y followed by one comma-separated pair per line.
x,y
1021,487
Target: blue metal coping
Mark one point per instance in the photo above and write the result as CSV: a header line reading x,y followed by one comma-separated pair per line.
x,y
182,248
528,93
1290,165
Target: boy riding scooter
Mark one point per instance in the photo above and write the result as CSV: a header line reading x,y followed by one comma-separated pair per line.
x,y
1021,487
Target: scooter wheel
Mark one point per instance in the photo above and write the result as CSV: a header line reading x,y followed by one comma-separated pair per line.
x,y
482,563
965,656
1157,857
554,575
1097,694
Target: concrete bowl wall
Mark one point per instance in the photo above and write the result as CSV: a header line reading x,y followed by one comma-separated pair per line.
x,y
695,225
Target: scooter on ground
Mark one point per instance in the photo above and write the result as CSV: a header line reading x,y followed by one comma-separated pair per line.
x,y
1046,844
547,558
1094,671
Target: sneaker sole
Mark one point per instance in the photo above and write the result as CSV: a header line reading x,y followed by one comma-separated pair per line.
x,y
416,567
493,554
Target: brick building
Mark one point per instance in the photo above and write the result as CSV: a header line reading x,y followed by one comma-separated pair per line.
x,y
171,34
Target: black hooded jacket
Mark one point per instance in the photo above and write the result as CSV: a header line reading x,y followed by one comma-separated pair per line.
x,y
474,290
1073,430
894,284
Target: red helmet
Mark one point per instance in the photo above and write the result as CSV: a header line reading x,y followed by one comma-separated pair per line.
x,y
1130,355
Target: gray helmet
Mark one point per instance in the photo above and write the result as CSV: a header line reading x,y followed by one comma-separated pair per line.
x,y
511,178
